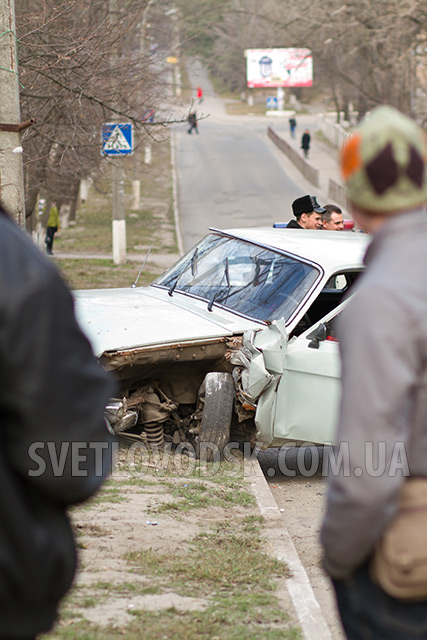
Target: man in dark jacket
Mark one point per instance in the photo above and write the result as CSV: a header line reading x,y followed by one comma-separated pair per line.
x,y
308,213
305,142
192,121
55,449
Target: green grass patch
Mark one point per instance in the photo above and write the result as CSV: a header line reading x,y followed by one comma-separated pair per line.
x,y
174,625
229,570
221,562
107,494
193,495
88,273
137,481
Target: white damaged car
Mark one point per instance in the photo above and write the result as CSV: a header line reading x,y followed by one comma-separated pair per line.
x,y
235,341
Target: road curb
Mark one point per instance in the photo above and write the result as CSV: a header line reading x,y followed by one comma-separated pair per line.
x,y
307,609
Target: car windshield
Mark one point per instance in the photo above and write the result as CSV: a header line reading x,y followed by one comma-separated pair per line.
x,y
243,277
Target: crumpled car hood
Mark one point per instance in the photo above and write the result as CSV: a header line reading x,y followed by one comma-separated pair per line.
x,y
115,319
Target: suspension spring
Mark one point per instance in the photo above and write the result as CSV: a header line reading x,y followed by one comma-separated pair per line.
x,y
155,436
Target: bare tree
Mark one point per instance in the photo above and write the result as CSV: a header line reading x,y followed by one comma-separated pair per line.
x,y
66,73
364,52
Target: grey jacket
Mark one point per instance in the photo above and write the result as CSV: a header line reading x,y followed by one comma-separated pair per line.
x,y
382,429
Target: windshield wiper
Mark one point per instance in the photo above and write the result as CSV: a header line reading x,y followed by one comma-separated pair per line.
x,y
217,292
173,286
194,261
227,274
193,265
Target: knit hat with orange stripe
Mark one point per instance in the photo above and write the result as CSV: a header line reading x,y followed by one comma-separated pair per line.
x,y
384,162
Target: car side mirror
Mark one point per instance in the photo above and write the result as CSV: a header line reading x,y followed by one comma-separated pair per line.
x,y
317,336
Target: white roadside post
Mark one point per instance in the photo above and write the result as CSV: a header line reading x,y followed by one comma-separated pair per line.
x,y
117,141
147,154
119,221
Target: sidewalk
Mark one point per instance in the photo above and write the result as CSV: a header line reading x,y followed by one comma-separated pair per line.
x,y
320,171
322,156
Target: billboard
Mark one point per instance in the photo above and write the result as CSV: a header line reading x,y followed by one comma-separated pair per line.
x,y
289,67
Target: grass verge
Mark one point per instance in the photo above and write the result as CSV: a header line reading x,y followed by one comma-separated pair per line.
x,y
202,573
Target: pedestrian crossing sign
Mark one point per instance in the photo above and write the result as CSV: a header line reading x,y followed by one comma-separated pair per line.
x,y
117,139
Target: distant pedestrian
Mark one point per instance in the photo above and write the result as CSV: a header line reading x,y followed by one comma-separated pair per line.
x,y
192,121
292,126
200,94
305,142
52,228
148,116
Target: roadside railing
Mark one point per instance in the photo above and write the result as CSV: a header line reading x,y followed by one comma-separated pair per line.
x,y
333,132
338,193
306,169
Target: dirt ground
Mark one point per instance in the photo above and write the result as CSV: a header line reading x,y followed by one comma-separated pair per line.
x,y
106,534
146,513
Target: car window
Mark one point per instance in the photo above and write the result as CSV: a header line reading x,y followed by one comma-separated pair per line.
x,y
338,282
332,294
243,277
331,327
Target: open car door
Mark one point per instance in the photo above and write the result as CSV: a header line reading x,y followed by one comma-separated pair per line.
x,y
309,390
294,385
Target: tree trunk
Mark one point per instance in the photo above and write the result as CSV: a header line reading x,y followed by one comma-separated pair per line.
x,y
75,202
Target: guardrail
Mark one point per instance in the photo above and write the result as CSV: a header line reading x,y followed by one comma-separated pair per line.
x,y
333,132
338,193
306,169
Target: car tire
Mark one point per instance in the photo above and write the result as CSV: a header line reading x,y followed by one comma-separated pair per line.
x,y
217,393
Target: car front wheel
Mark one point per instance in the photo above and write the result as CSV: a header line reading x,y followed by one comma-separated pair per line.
x,y
217,394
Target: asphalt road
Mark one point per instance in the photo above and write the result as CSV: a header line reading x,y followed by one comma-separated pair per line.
x,y
230,176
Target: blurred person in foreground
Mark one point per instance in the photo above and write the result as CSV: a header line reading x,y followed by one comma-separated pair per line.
x,y
55,447
382,426
332,219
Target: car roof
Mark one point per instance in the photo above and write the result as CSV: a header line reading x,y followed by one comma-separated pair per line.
x,y
332,250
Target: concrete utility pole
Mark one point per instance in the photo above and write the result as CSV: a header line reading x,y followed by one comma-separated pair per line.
x,y
143,51
11,169
118,175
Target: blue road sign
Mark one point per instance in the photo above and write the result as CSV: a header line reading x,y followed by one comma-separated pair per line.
x,y
271,102
117,139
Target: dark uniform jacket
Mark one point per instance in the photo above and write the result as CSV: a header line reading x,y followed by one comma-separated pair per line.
x,y
293,224
52,398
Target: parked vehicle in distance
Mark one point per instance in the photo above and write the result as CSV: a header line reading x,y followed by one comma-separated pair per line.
x,y
235,341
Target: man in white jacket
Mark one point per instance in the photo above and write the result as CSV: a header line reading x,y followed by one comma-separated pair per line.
x,y
383,341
